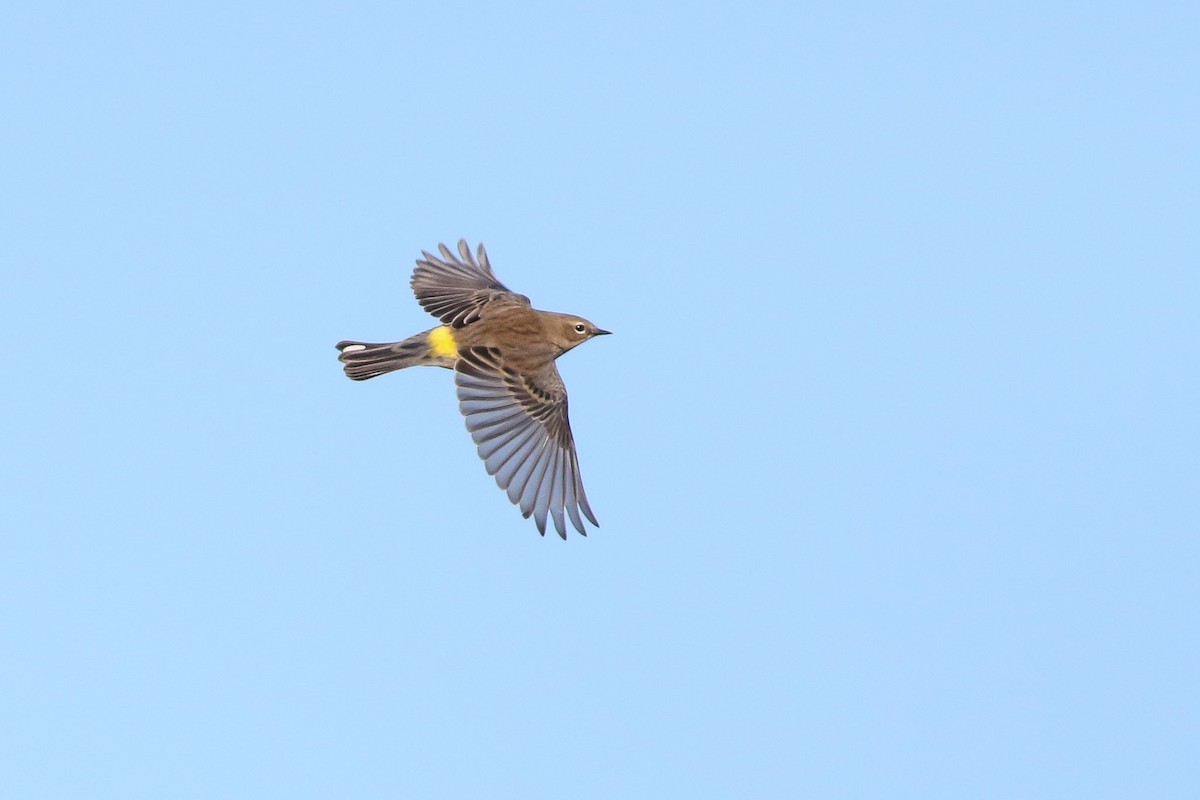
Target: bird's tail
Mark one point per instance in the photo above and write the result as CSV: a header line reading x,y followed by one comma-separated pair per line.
x,y
365,360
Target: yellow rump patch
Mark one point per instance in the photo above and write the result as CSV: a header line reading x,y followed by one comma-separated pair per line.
x,y
442,344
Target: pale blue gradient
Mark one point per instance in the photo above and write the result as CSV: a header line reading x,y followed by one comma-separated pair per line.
x,y
894,448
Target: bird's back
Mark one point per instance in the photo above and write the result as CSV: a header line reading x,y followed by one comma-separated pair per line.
x,y
519,331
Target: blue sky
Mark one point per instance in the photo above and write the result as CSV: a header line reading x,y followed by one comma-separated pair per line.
x,y
894,449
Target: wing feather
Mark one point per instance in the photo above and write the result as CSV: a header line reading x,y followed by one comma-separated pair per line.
x,y
457,289
520,428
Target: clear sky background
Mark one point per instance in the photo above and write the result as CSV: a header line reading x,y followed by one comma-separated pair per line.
x,y
894,448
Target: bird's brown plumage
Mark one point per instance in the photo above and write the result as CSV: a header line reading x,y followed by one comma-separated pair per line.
x,y
509,388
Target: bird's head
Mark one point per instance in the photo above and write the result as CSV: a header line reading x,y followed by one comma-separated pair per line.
x,y
567,332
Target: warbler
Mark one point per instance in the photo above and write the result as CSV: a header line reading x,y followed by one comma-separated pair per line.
x,y
502,351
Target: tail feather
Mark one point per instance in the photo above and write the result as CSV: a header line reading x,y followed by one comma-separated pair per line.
x,y
366,360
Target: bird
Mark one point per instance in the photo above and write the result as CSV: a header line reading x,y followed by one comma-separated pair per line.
x,y
503,353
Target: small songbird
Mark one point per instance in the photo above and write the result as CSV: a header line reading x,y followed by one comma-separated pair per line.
x,y
502,352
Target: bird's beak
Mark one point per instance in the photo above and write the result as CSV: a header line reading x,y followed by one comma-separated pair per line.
x,y
599,332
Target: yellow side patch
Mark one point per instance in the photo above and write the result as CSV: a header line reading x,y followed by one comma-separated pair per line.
x,y
442,344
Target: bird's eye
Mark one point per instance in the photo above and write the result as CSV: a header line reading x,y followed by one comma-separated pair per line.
x,y
580,327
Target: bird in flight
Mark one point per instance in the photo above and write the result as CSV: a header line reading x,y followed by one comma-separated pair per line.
x,y
502,351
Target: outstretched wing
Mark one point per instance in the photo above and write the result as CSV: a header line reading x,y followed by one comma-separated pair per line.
x,y
519,423
455,289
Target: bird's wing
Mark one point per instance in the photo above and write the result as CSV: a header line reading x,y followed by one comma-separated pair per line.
x,y
455,289
519,423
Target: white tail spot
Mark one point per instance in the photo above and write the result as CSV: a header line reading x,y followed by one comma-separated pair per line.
x,y
350,348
